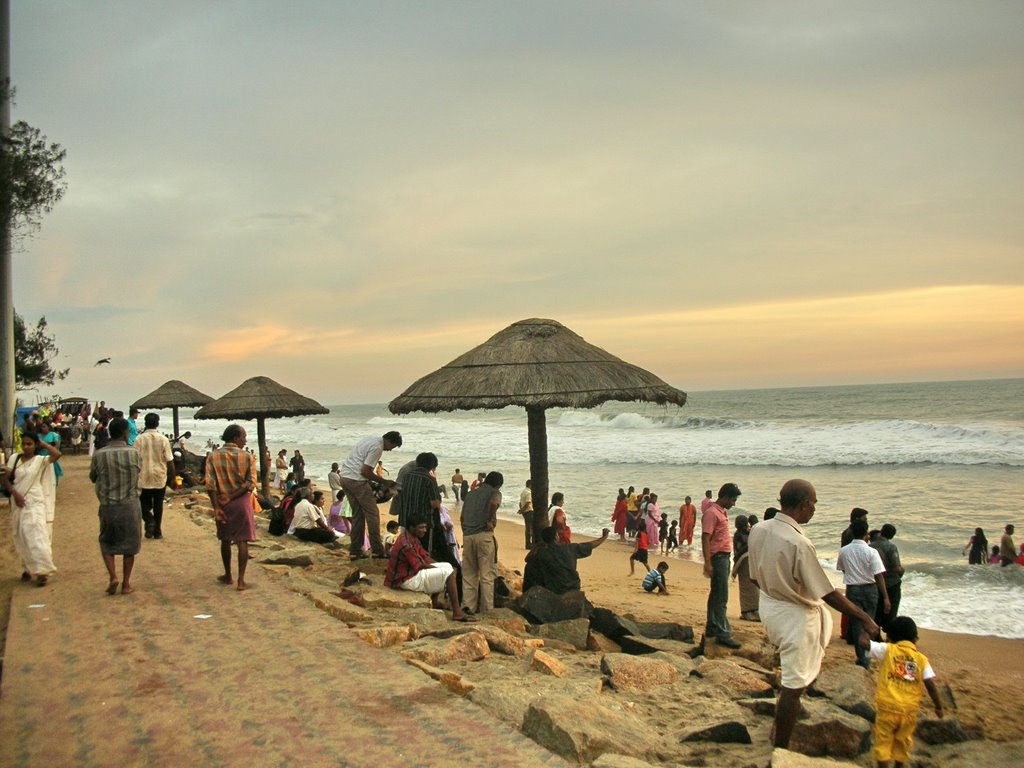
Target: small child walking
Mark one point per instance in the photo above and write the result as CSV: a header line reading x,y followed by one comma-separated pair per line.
x,y
663,534
639,550
655,579
903,676
673,537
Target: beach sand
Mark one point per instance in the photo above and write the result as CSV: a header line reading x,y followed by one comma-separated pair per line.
x,y
984,673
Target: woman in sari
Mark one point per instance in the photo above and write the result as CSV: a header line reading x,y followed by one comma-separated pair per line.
x,y
281,469
619,516
28,480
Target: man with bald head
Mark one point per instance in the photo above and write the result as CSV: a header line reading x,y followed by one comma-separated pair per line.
x,y
794,590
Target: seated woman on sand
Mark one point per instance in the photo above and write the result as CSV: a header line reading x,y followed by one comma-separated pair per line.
x,y
310,523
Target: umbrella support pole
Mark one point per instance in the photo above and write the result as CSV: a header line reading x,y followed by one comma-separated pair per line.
x,y
176,432
537,432
261,439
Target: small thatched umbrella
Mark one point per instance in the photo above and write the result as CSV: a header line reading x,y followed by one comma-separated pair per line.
x,y
260,398
538,364
173,394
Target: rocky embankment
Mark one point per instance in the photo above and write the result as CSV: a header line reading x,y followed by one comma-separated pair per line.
x,y
605,689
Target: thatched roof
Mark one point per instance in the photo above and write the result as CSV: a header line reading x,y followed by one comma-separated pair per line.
x,y
173,394
260,397
534,363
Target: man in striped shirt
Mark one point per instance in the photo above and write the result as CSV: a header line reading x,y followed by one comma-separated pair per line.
x,y
230,480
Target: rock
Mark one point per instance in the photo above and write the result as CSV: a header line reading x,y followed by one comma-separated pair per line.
x,y
684,664
471,646
849,687
453,681
574,632
783,758
972,754
504,618
738,681
665,630
609,760
638,646
727,732
426,619
384,637
548,664
279,570
507,699
947,731
295,561
339,608
830,732
611,625
543,606
385,597
501,641
632,673
554,644
582,730
598,642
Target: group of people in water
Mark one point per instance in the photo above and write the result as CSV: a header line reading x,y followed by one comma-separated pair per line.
x,y
1004,553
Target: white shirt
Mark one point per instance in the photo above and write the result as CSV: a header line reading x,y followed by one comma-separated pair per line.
x,y
859,563
306,515
367,451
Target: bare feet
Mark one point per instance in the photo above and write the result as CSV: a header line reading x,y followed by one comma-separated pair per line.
x,y
464,618
112,587
225,579
242,586
126,590
26,576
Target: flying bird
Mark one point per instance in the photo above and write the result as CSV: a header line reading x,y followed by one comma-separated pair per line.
x,y
105,360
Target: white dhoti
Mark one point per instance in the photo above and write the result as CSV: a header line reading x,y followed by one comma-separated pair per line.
x,y
802,633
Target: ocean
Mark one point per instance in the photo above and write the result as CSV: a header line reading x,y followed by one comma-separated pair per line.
x,y
935,459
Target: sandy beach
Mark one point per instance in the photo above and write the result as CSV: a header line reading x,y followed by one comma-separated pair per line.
x,y
973,667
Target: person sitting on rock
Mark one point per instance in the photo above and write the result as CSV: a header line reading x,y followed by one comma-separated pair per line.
x,y
412,569
309,522
553,566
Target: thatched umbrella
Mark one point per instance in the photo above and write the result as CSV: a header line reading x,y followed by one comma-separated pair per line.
x,y
260,398
173,394
538,364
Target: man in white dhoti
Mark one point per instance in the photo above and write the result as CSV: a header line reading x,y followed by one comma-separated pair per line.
x,y
794,590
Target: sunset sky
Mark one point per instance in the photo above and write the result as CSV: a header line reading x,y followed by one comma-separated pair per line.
x,y
344,196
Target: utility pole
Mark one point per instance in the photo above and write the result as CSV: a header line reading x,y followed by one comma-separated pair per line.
x,y
6,272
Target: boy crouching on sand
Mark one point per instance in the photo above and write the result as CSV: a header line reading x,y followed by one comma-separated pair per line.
x,y
655,578
903,676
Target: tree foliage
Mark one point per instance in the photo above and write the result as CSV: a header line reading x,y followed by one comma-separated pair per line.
x,y
33,351
31,177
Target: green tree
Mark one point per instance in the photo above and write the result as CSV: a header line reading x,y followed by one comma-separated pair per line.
x,y
33,351
31,177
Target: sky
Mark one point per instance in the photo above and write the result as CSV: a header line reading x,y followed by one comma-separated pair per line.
x,y
345,196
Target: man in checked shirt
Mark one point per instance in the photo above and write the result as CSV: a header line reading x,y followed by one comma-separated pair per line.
x,y
230,480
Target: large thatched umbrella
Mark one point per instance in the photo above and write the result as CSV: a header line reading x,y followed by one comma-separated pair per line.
x,y
260,398
538,364
173,394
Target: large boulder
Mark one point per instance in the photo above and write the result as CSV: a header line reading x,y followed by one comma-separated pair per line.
x,y
543,606
829,731
340,609
634,673
547,664
726,732
613,626
573,631
470,646
582,730
504,618
849,687
501,641
740,682
385,636
666,630
385,597
946,731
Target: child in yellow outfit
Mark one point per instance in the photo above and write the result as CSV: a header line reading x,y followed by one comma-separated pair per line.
x,y
903,676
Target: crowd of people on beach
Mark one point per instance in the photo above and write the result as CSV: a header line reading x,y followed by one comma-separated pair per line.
x,y
780,579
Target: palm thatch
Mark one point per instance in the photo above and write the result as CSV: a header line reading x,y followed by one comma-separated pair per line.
x,y
534,363
261,398
173,394
537,364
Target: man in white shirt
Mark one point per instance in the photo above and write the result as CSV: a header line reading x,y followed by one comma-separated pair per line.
x,y
334,480
864,576
356,473
156,473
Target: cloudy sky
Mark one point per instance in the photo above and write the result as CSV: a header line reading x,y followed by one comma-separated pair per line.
x,y
345,196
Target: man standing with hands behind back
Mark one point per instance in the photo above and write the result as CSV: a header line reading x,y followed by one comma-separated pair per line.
x,y
716,544
230,479
794,590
